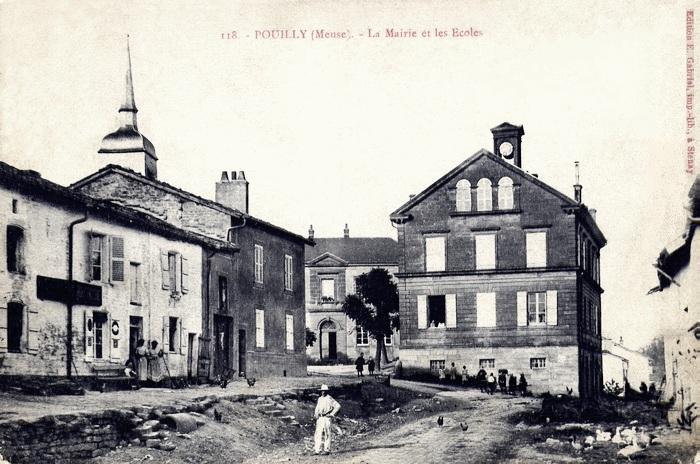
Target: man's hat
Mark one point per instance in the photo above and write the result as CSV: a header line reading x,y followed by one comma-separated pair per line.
x,y
324,388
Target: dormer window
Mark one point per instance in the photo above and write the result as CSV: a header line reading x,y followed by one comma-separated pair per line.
x,y
464,195
505,193
483,195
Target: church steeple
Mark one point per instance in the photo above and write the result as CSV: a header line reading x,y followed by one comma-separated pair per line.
x,y
127,146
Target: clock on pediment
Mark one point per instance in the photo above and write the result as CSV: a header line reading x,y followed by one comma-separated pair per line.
x,y
507,142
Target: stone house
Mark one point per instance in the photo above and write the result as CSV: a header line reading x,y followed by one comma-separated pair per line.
x,y
498,270
134,276
678,270
253,304
331,268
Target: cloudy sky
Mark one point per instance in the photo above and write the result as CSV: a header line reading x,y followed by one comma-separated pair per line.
x,y
343,130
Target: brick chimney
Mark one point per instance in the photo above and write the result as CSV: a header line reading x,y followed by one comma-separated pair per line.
x,y
346,231
311,232
233,192
577,186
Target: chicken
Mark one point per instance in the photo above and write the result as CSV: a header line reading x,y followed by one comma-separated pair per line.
x,y
617,438
440,421
588,441
224,382
645,439
602,436
629,434
575,445
251,381
464,427
630,450
217,416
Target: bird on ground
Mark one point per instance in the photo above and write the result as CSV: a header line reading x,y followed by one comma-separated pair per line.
x,y
574,444
464,427
588,441
628,434
251,381
440,421
617,438
630,450
602,436
217,416
645,439
224,382
569,391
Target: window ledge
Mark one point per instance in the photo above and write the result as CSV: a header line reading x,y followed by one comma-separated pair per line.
x,y
479,213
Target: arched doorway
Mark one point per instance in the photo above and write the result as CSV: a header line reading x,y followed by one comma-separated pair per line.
x,y
328,345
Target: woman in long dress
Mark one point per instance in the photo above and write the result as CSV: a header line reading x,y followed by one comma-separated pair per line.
x,y
154,355
141,360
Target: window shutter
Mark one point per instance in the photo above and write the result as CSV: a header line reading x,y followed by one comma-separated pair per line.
x,y
451,310
165,270
3,329
185,274
183,339
32,330
88,256
89,337
116,247
166,334
522,309
178,273
486,310
115,351
422,311
552,307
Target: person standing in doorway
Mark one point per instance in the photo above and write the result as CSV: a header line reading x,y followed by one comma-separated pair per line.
x,y
154,358
370,365
326,410
141,361
360,364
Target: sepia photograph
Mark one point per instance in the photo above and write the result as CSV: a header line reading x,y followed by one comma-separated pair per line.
x,y
349,232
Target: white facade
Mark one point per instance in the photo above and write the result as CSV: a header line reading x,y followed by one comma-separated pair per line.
x,y
621,363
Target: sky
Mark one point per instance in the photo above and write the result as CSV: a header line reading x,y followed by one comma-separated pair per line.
x,y
334,131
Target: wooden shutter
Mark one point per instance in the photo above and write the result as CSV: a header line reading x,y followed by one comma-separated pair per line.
x,y
552,307
422,311
32,330
451,310
116,258
3,329
522,309
165,270
184,270
166,334
178,273
89,336
115,351
183,338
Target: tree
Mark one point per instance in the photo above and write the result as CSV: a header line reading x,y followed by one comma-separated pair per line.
x,y
310,337
375,307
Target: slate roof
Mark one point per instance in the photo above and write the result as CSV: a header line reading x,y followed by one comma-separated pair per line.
x,y
356,250
31,182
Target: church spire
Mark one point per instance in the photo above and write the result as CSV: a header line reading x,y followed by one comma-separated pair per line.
x,y
127,111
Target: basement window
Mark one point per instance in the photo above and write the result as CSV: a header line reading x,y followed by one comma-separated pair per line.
x,y
487,363
436,365
436,310
538,363
15,249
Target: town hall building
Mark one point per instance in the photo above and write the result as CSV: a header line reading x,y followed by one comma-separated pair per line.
x,y
498,270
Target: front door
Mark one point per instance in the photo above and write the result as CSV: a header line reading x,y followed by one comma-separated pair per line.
x,y
222,343
241,353
100,321
135,334
332,347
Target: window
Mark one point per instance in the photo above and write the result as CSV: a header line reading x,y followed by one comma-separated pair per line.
x,y
96,244
487,363
327,290
388,340
486,310
538,363
15,319
172,265
289,329
505,193
536,249
536,308
260,328
288,272
15,208
259,263
135,283
436,310
436,365
464,195
223,294
434,254
485,251
362,336
15,249
483,195
172,334
174,272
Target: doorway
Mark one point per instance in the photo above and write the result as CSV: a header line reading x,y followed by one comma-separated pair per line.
x,y
222,344
328,344
332,346
135,334
241,353
100,326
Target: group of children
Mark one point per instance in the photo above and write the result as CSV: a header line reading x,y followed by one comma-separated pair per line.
x,y
508,384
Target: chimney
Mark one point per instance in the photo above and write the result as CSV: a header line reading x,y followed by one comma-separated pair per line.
x,y
592,211
346,231
233,192
411,196
577,187
311,232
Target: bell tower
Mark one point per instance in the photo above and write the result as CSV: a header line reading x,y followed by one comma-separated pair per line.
x,y
507,142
